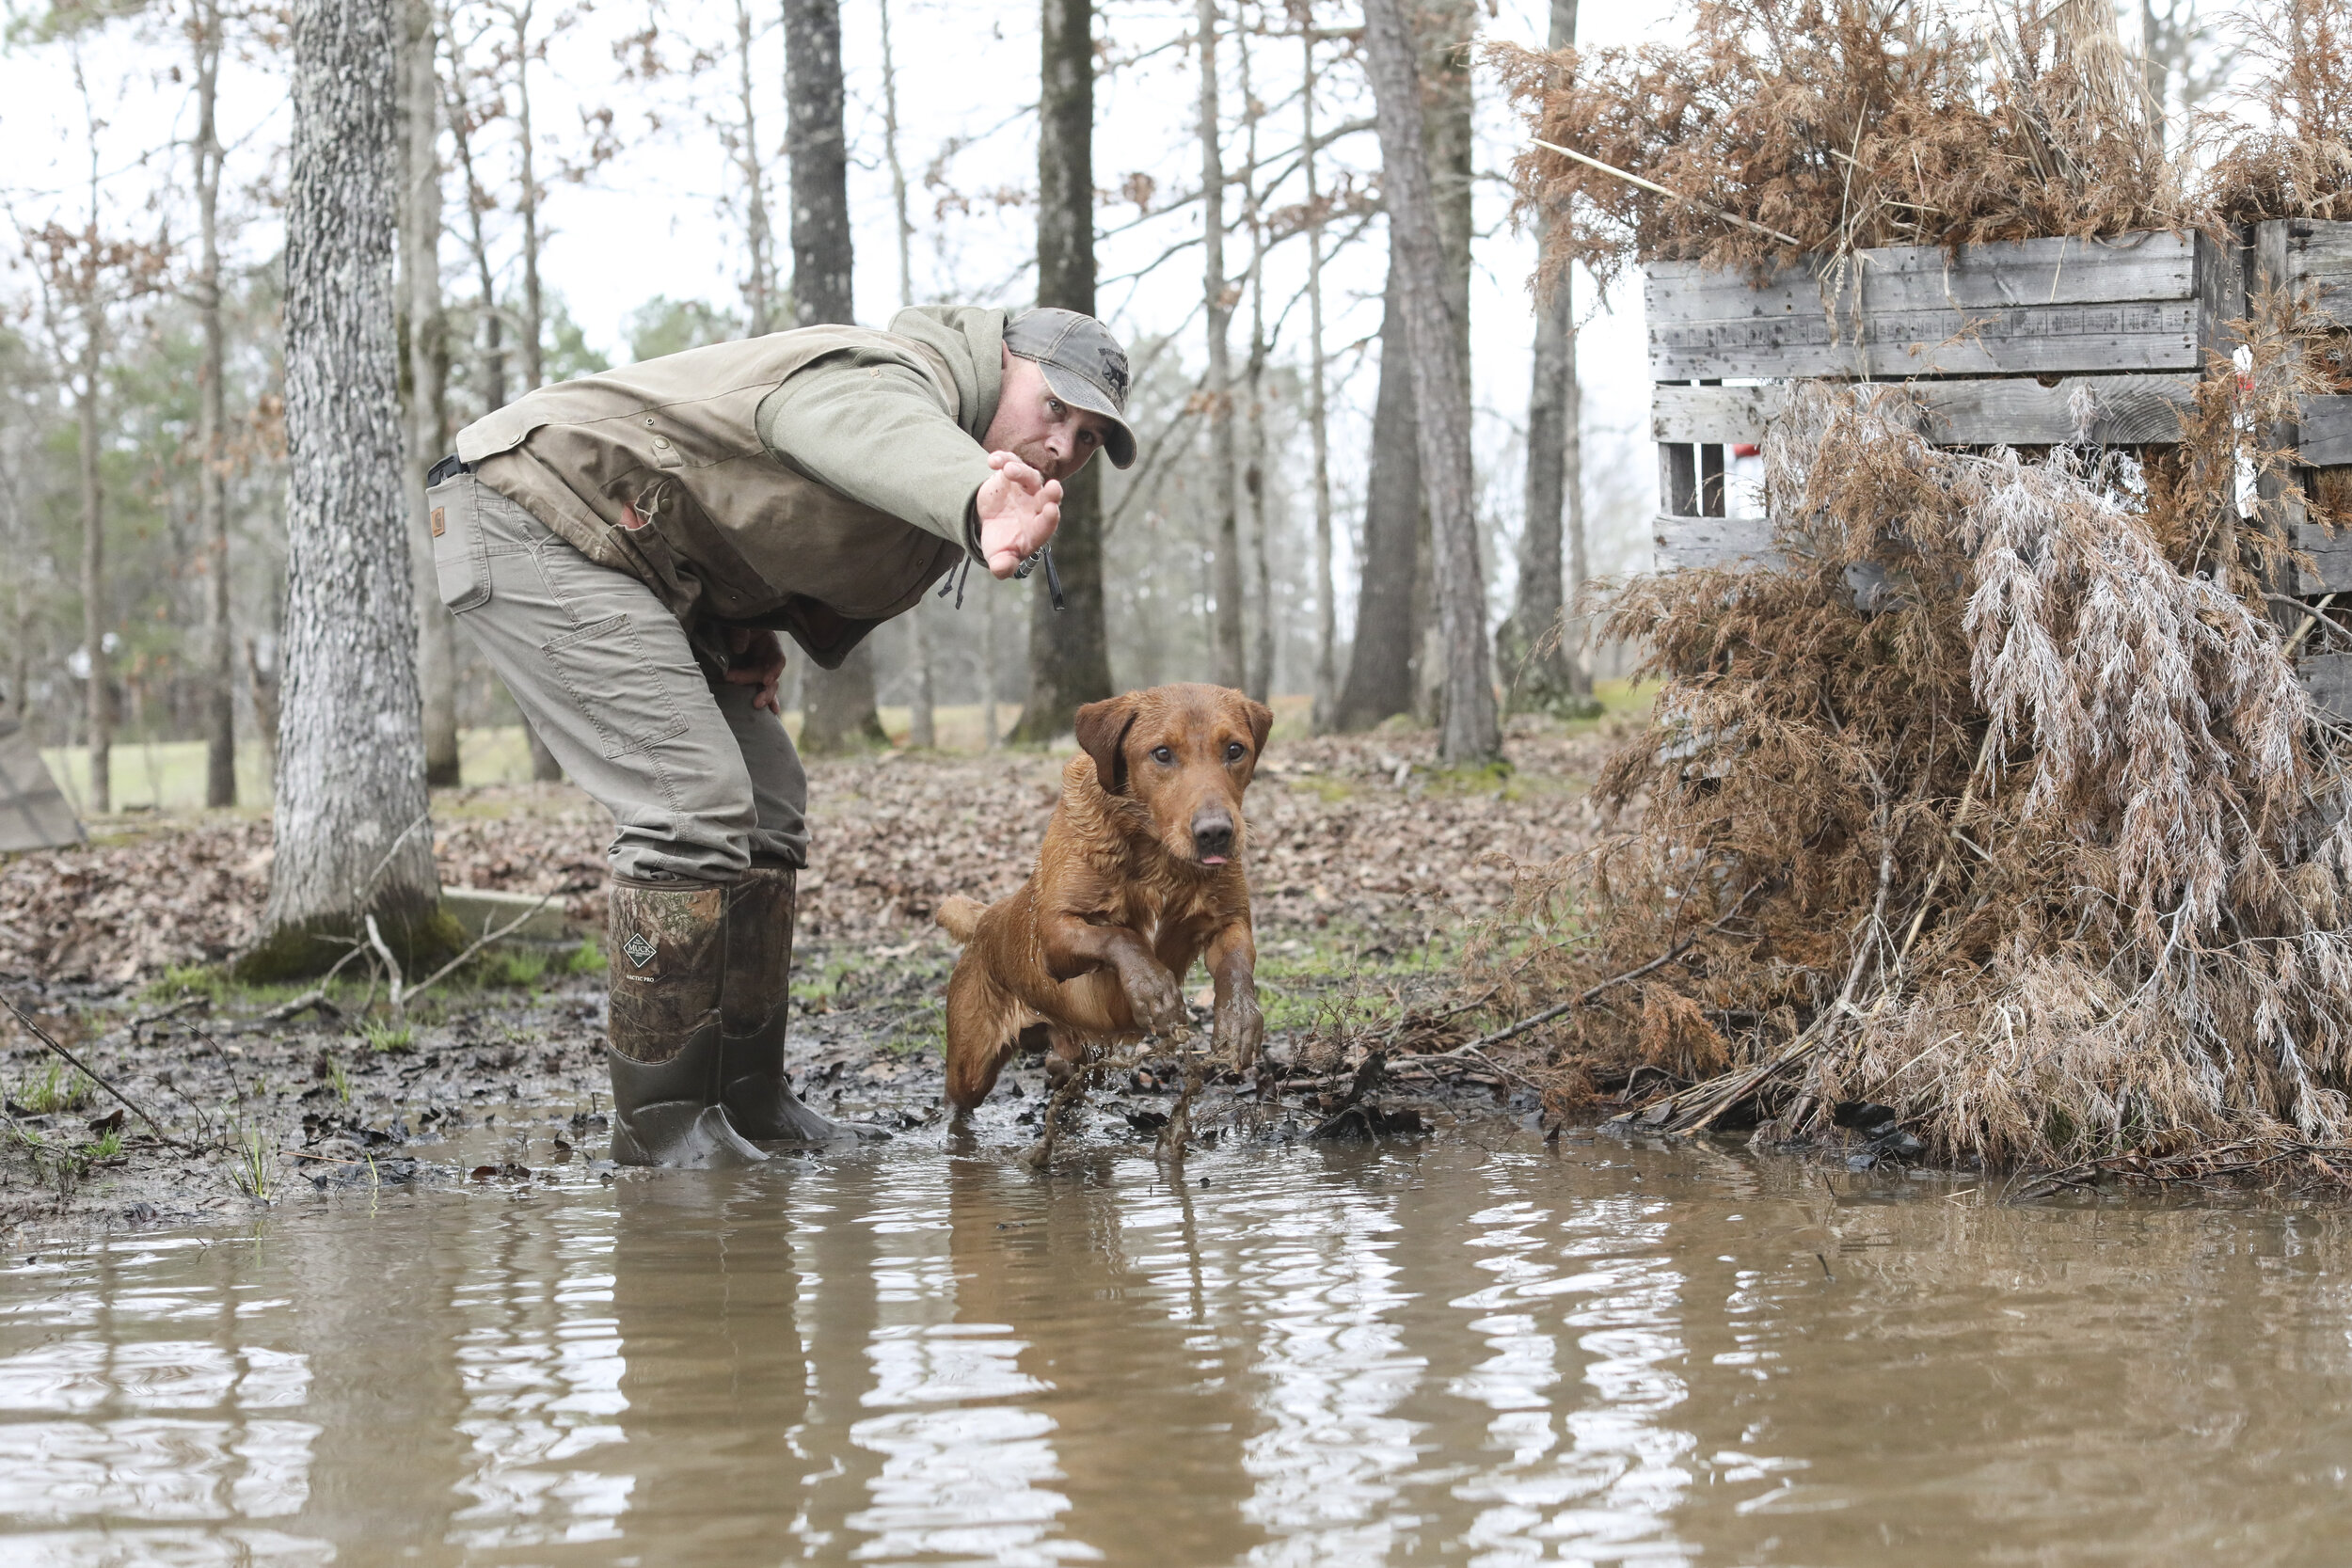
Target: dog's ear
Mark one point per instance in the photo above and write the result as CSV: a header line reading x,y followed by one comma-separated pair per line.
x,y
1261,723
1102,731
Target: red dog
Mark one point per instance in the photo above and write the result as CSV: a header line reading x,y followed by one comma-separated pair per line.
x,y
1140,875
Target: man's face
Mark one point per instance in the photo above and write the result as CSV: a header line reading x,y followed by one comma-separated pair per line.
x,y
1037,427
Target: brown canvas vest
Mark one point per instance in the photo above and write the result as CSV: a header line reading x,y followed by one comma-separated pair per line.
x,y
657,469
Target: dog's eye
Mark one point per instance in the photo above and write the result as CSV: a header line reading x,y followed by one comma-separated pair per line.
x,y
1235,751
1161,754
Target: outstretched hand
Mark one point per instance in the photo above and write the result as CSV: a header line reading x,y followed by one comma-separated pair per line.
x,y
1019,510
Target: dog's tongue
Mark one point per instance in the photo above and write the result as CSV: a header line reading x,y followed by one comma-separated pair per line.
x,y
1213,860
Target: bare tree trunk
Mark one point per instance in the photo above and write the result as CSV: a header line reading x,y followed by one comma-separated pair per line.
x,y
1228,659
1069,661
1318,413
96,694
461,128
818,150
838,704
922,721
1442,32
1432,342
532,328
1380,665
352,835
1539,668
759,235
428,366
211,501
1253,473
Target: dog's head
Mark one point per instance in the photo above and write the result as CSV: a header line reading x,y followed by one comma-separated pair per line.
x,y
1183,755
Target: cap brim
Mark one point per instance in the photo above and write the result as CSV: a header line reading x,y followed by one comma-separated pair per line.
x,y
1119,442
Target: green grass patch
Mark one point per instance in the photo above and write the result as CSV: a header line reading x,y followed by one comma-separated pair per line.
x,y
54,1089
388,1039
587,958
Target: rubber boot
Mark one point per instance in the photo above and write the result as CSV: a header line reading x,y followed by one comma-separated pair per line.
x,y
755,1009
668,959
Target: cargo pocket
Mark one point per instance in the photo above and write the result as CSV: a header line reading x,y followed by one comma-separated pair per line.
x,y
461,557
628,703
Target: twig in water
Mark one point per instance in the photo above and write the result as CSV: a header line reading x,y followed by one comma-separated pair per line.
x,y
136,1109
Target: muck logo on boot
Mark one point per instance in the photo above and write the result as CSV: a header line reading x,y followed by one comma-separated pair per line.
x,y
639,951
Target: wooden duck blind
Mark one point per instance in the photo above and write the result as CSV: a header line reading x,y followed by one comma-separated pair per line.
x,y
1989,345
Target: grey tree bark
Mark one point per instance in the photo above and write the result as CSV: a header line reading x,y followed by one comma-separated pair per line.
x,y
1380,664
211,501
923,708
1442,31
351,831
1227,658
1433,334
1318,412
1541,667
837,705
1069,661
427,378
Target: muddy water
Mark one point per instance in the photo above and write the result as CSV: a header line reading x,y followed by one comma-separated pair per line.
x,y
1410,1355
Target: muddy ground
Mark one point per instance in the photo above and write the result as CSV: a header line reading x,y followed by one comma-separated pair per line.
x,y
1371,868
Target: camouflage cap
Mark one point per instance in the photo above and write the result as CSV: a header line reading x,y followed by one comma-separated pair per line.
x,y
1083,365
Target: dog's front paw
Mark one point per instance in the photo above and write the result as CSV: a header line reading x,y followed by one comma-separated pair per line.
x,y
1240,1030
1154,1000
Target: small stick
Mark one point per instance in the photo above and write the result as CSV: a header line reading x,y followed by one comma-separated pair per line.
x,y
43,1036
1179,1129
315,996
1672,196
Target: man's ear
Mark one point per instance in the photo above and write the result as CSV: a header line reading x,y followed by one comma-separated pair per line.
x,y
1102,731
1261,723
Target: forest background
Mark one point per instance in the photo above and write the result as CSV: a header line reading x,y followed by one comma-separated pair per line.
x,y
614,185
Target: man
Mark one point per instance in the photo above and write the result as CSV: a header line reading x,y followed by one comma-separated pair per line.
x,y
626,547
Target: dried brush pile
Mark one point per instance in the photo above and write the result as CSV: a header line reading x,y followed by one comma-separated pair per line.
x,y
2043,847
1845,124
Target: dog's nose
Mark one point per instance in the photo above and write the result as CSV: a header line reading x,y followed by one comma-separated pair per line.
x,y
1213,834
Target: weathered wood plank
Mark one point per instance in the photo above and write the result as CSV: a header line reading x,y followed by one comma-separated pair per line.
x,y
2035,273
2326,431
1895,345
2129,410
1685,542
2314,253
2035,307
2329,678
2331,555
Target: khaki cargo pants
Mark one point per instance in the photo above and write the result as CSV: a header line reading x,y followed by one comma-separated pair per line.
x,y
698,781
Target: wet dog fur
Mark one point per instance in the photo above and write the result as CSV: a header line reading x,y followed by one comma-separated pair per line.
x,y
1141,874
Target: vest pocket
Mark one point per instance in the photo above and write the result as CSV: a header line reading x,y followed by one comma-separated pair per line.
x,y
461,557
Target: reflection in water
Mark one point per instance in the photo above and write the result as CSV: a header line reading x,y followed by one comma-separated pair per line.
x,y
1598,1354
